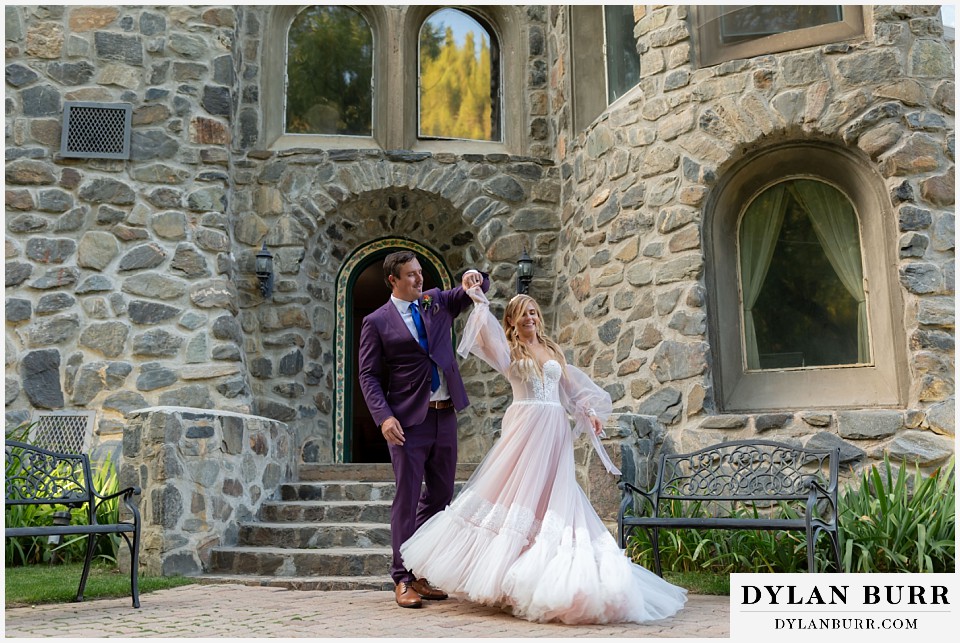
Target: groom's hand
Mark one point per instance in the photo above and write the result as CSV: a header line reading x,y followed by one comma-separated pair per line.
x,y
471,278
392,431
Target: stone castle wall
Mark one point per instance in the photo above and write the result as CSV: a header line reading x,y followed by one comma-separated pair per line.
x,y
130,284
632,297
121,275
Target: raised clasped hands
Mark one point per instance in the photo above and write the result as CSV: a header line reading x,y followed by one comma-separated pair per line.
x,y
470,279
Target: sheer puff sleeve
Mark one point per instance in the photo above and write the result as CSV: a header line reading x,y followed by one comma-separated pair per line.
x,y
483,336
583,399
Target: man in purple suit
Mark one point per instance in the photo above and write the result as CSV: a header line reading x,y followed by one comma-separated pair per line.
x,y
412,386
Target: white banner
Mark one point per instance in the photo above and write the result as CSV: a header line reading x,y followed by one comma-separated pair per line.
x,y
843,607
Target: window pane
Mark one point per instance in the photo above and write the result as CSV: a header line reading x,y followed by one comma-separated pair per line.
x,y
623,61
459,78
811,308
739,23
329,72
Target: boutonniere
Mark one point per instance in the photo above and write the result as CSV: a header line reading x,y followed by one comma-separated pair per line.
x,y
427,302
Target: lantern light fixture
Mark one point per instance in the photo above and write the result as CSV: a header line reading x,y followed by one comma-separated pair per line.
x,y
264,270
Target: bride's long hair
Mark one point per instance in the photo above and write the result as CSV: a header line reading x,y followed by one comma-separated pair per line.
x,y
520,356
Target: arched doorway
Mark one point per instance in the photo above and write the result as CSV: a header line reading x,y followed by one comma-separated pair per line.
x,y
360,291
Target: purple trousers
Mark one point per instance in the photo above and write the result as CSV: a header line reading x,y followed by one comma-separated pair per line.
x,y
428,455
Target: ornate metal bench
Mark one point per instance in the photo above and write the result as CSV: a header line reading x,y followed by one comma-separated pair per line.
x,y
755,473
36,476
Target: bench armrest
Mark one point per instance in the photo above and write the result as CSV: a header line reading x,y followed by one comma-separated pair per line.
x,y
125,494
129,491
818,492
628,498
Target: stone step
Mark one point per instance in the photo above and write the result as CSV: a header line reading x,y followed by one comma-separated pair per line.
x,y
338,490
326,511
281,562
322,583
343,490
379,472
313,535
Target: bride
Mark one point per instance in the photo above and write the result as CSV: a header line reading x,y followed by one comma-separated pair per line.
x,y
522,535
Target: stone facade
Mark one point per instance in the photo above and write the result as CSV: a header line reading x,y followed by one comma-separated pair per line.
x,y
631,297
130,284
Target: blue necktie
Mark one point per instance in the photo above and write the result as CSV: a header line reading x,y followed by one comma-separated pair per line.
x,y
422,338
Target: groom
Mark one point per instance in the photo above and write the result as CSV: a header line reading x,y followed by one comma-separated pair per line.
x,y
412,386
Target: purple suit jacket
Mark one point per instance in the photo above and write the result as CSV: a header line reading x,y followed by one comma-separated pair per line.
x,y
394,368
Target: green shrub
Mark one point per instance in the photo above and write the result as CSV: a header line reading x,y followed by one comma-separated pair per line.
x,y
25,550
900,522
888,523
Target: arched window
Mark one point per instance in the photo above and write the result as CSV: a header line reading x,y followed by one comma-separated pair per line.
x,y
805,311
329,86
801,279
459,78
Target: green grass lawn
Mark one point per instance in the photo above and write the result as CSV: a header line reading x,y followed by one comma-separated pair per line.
x,y
36,584
701,582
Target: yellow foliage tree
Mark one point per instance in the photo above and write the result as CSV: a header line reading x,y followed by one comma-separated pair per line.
x,y
455,100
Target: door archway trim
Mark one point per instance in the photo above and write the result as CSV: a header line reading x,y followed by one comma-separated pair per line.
x,y
346,277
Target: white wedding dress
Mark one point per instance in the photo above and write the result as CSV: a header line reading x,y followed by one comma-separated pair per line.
x,y
521,534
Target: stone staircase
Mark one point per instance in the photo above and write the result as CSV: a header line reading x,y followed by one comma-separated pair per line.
x,y
330,530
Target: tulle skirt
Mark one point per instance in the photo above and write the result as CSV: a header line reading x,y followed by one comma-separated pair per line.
x,y
523,536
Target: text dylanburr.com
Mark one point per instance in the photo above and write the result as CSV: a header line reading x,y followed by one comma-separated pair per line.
x,y
847,607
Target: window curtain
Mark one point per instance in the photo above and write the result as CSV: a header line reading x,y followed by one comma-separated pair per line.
x,y
759,232
835,225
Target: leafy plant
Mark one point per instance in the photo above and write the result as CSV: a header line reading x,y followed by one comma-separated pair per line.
x,y
900,522
888,523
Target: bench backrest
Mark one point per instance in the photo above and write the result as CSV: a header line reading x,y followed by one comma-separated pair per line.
x,y
37,476
746,470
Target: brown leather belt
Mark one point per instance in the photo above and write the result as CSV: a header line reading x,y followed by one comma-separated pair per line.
x,y
441,404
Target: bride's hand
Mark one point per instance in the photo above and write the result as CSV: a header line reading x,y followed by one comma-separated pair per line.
x,y
597,425
476,294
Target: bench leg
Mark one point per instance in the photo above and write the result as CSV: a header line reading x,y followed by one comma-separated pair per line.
x,y
134,566
811,545
655,541
91,544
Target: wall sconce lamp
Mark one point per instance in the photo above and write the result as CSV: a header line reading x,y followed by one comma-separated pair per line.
x,y
264,269
524,273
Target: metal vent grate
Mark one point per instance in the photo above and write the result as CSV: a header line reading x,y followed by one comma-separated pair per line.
x,y
62,431
96,130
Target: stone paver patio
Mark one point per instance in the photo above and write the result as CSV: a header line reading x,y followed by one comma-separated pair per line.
x,y
196,611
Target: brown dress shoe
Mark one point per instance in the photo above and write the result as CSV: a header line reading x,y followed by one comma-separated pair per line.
x,y
423,587
406,596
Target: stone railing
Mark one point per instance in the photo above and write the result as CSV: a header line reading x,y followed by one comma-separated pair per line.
x,y
201,472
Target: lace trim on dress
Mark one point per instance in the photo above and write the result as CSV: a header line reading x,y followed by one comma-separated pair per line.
x,y
495,517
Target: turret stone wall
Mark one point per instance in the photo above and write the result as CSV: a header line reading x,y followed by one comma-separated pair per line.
x,y
632,298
